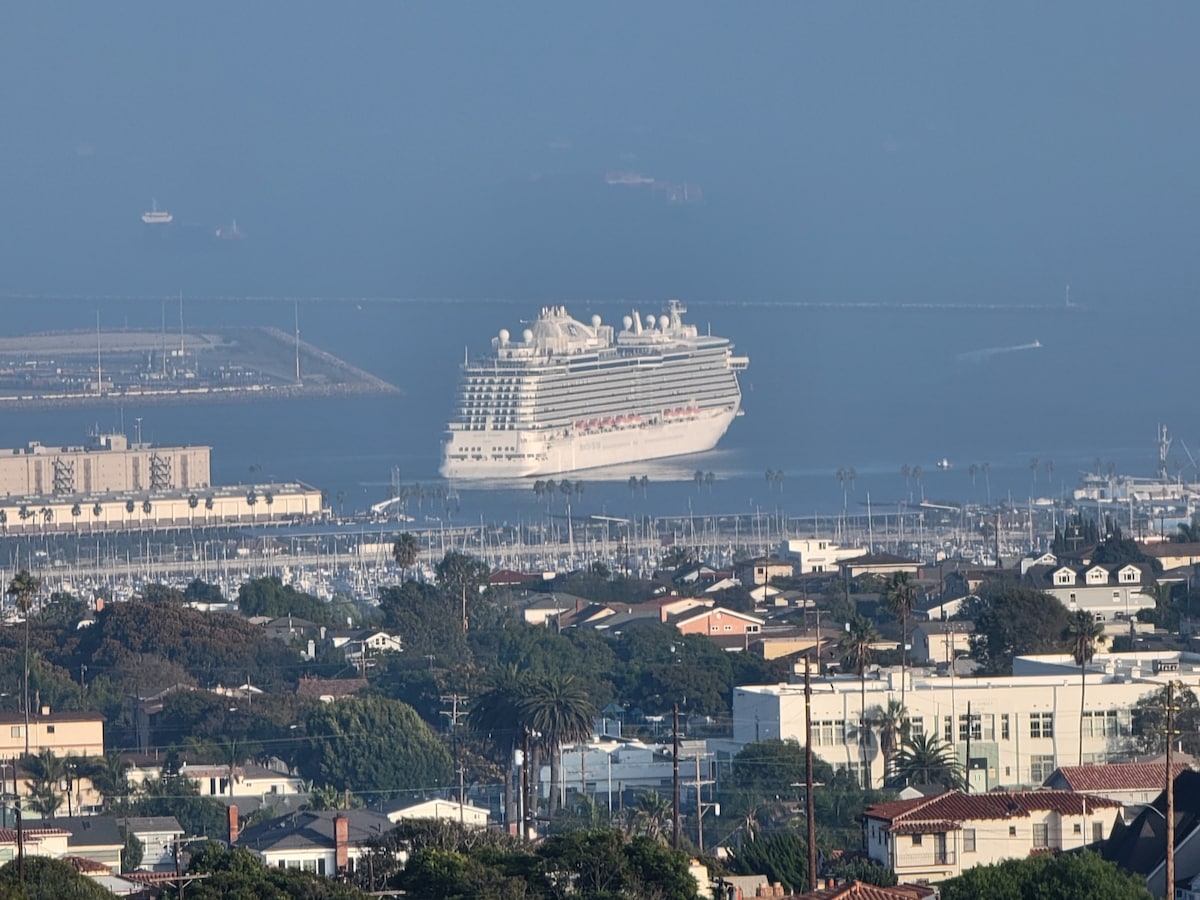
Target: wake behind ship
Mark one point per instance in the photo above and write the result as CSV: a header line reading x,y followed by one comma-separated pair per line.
x,y
570,396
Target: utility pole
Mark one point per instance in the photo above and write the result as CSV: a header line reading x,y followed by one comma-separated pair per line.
x,y
700,804
675,776
1170,888
526,796
810,814
20,825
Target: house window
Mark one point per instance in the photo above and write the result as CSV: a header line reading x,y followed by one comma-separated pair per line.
x,y
1012,830
1116,596
1041,725
1041,835
916,726
1078,828
17,731
968,840
1040,768
1101,724
1004,726
49,729
828,733
976,728
917,840
1073,596
947,729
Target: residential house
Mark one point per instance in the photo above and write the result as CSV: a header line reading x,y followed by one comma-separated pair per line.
x,y
1107,591
882,564
1173,555
941,610
816,555
934,838
327,842
941,642
857,890
716,622
1140,846
249,780
1133,784
360,642
62,733
754,572
97,838
443,810
543,607
329,689
160,837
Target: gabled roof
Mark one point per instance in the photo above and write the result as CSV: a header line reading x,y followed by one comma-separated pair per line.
x,y
316,688
1115,777
857,890
878,559
693,615
951,626
313,830
947,812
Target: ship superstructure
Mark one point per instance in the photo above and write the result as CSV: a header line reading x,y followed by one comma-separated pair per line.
x,y
156,216
571,396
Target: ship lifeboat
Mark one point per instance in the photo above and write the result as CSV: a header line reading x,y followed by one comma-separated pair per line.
x,y
581,424
607,423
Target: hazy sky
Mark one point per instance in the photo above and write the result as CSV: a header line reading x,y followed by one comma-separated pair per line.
x,y
939,151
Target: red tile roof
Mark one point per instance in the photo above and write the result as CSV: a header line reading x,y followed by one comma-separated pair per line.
x,y
857,890
913,816
1118,776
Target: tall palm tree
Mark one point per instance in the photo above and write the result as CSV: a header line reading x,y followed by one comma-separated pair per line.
x,y
406,550
923,759
892,722
46,772
109,774
855,647
900,596
269,499
23,590
1085,635
559,709
76,512
496,715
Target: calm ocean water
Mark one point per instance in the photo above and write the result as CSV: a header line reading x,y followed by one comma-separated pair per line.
x,y
827,389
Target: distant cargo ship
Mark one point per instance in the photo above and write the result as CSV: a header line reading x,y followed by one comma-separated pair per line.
x,y
571,396
156,216
231,232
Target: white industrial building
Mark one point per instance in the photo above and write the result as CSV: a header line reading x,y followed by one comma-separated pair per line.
x,y
1021,727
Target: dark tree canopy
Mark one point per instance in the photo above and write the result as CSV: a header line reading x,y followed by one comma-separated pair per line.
x,y
1066,876
269,596
1015,620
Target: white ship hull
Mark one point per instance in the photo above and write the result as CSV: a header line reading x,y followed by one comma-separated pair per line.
x,y
564,452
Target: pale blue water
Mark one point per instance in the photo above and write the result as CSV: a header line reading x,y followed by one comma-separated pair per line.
x,y
872,390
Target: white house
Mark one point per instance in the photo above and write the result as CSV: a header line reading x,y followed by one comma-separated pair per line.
x,y
934,838
159,836
1021,727
814,555
1107,591
326,842
443,810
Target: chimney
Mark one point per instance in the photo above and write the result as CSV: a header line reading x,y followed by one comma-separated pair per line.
x,y
45,710
233,825
341,843
99,604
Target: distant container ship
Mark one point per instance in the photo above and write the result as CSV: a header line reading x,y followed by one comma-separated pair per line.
x,y
156,216
570,396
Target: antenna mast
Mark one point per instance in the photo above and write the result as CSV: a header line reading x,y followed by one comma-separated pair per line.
x,y
296,310
99,366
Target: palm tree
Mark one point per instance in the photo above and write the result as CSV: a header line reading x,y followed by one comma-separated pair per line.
x,y
1085,634
109,774
709,478
650,816
1034,462
47,771
855,647
76,512
4,520
251,501
406,550
47,515
633,483
193,502
973,470
923,760
643,482
900,596
97,510
986,469
559,709
23,590
892,722
496,715
698,478
269,499
208,508
539,489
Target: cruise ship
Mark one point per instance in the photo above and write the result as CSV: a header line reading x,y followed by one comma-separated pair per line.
x,y
571,396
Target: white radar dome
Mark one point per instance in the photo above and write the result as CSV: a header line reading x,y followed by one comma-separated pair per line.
x,y
504,335
595,321
527,335
649,321
627,322
663,322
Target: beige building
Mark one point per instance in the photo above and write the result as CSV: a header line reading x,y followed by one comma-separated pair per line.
x,y
78,733
110,464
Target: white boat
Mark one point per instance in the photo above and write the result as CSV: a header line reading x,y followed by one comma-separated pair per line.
x,y
156,216
231,232
571,396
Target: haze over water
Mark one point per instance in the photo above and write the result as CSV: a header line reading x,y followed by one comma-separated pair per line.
x,y
897,155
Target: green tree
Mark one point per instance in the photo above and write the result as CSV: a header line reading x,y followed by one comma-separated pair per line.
x,y
855,646
892,722
406,550
782,857
269,596
132,852
47,772
461,575
1084,634
239,874
1066,876
858,869
558,709
429,619
900,598
48,879
767,769
924,760
373,746
23,590
1015,620
1150,721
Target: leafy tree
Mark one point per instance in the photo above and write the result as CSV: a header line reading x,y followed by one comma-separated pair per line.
x,y
178,796
923,759
1084,634
782,857
199,591
343,741
1066,876
238,873
461,575
61,611
429,619
23,589
1150,721
767,769
48,879
162,593
1117,550
857,868
132,852
1015,620
269,596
